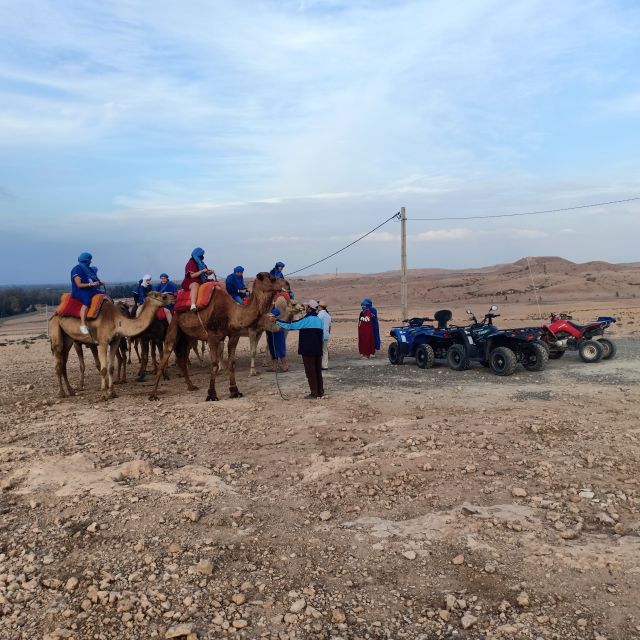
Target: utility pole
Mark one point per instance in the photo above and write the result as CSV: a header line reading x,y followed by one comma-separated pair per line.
x,y
403,262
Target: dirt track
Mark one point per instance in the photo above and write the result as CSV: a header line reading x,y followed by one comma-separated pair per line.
x,y
409,504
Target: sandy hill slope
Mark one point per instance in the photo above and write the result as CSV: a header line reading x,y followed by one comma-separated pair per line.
x,y
554,278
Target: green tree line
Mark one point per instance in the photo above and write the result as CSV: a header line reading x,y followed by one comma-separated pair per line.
x,y
15,300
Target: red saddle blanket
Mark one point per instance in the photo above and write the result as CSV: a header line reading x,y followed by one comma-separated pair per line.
x,y
161,315
70,306
205,291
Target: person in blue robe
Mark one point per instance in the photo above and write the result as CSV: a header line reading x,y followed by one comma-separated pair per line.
x,y
277,343
84,285
277,272
236,287
140,292
166,286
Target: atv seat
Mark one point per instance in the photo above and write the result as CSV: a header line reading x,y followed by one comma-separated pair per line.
x,y
442,317
577,326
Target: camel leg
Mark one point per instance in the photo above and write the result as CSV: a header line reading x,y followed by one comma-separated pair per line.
x,y
254,340
113,349
144,359
214,345
104,370
174,339
122,361
78,349
182,348
129,344
160,346
154,359
233,388
136,342
61,351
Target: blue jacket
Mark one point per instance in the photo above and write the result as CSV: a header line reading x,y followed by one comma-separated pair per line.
x,y
311,329
235,284
140,293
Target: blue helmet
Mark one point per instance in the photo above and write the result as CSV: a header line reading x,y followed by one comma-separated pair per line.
x,y
85,257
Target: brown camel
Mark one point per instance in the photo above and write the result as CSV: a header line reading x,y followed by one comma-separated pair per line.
x,y
288,310
105,333
222,317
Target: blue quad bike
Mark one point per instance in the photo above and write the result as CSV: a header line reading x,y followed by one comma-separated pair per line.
x,y
424,342
501,350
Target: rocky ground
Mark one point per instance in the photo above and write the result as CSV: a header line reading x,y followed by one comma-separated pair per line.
x,y
408,504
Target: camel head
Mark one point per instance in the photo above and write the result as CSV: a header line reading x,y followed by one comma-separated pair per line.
x,y
160,299
266,283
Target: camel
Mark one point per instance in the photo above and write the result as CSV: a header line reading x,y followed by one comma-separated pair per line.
x,y
121,353
105,333
288,310
222,317
151,338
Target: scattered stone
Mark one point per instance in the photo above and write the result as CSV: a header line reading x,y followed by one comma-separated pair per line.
x,y
238,598
468,620
523,599
192,515
338,616
519,492
72,583
325,515
458,560
586,494
409,555
204,567
179,630
298,605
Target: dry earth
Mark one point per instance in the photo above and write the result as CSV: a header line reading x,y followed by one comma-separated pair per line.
x,y
408,504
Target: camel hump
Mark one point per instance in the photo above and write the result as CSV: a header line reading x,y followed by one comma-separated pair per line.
x,y
70,306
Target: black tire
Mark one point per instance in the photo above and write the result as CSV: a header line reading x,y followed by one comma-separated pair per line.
x,y
395,357
609,348
457,357
425,356
590,351
535,357
503,361
556,354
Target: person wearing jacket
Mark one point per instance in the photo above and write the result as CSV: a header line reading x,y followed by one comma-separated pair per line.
x,y
195,273
310,347
166,286
236,287
325,316
84,285
367,302
276,272
140,293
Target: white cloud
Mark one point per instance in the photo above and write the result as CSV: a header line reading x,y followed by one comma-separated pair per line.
x,y
444,234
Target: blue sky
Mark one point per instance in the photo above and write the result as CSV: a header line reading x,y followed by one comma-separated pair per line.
x,y
282,130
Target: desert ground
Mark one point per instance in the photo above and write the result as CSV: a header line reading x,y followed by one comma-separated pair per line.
x,y
409,503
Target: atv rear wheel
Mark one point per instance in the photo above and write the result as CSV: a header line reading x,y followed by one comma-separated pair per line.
x,y
608,348
457,357
590,351
503,361
395,357
535,357
555,354
425,356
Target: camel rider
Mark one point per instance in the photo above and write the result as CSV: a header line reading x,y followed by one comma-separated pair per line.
x,y
166,286
195,273
236,287
276,272
84,285
140,292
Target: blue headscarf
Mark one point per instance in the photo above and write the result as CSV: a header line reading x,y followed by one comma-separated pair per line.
x,y
84,262
197,254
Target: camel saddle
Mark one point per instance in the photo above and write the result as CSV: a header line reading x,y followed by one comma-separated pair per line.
x,y
70,306
205,291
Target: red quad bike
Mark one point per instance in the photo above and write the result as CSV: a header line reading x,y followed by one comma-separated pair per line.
x,y
561,335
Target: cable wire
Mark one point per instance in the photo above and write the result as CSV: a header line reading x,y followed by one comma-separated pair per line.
x,y
527,213
335,253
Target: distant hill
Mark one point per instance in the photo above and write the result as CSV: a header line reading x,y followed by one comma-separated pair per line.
x,y
553,277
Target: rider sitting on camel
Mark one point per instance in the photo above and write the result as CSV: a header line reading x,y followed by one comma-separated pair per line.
x,y
196,272
236,287
166,286
84,285
140,293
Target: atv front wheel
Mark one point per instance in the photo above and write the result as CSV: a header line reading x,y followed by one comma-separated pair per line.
x,y
535,357
395,357
457,357
503,361
425,356
590,351
608,348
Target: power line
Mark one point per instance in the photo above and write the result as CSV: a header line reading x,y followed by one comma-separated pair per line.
x,y
335,253
527,213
